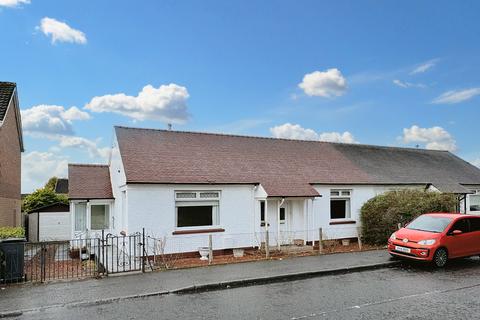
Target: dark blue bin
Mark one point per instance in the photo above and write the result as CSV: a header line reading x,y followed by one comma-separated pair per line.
x,y
11,259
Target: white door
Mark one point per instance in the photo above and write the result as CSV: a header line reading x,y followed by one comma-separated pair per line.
x,y
284,217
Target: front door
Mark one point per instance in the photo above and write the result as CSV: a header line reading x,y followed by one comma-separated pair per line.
x,y
284,215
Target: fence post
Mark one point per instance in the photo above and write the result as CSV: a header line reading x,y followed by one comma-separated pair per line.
x,y
267,244
42,263
320,240
143,250
359,237
210,249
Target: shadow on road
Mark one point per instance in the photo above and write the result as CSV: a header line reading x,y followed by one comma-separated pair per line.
x,y
463,264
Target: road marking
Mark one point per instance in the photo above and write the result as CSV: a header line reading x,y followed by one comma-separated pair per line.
x,y
374,303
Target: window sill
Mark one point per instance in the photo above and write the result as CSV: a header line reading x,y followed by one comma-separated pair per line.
x,y
193,231
343,222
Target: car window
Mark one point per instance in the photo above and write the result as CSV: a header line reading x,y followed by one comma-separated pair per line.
x,y
474,224
461,225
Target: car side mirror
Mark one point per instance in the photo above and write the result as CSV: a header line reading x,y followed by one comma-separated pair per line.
x,y
456,232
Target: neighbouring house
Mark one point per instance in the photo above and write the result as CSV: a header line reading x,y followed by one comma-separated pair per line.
x,y
50,223
186,185
11,147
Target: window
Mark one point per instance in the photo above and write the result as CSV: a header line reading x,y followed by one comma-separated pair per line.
x,y
474,224
340,204
282,216
81,216
262,213
474,202
197,208
461,225
99,216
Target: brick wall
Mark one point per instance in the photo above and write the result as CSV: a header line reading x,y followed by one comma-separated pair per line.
x,y
10,167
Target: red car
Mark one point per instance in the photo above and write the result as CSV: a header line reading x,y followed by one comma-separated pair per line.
x,y
437,237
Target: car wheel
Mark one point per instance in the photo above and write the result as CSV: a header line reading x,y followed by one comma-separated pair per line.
x,y
440,258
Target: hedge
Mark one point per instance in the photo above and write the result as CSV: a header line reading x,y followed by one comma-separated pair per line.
x,y
11,232
380,215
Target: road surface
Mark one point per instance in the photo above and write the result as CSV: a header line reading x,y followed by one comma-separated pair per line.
x,y
405,292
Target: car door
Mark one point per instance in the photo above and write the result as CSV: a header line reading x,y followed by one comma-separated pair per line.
x,y
457,244
475,234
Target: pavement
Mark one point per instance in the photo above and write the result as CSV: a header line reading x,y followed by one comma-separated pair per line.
x,y
407,292
27,298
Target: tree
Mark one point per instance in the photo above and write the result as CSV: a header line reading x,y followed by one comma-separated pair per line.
x,y
51,183
41,198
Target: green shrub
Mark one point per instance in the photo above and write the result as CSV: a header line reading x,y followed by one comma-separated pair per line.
x,y
41,198
381,214
11,232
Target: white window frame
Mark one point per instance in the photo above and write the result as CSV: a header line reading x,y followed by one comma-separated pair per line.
x,y
88,218
475,194
199,198
343,194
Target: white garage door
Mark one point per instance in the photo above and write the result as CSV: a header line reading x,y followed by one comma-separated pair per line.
x,y
55,226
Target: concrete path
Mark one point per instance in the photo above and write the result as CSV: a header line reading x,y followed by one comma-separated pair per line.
x,y
24,298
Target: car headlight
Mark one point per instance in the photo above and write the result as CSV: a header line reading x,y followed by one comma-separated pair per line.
x,y
393,237
427,242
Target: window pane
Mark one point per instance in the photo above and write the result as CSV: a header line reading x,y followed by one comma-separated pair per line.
x,y
195,216
186,195
99,217
335,193
345,193
80,216
474,202
282,214
474,224
262,213
338,209
461,225
208,194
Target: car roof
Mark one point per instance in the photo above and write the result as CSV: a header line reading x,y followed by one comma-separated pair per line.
x,y
448,215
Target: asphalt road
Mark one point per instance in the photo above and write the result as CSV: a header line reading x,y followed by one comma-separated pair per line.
x,y
405,292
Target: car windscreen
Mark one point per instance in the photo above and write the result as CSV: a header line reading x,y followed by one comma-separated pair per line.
x,y
429,223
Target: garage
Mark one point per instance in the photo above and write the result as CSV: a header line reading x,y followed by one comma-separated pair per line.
x,y
50,223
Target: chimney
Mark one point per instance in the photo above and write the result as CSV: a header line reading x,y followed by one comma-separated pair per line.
x,y
169,127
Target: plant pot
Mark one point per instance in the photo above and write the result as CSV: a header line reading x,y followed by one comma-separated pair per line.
x,y
204,251
346,242
238,253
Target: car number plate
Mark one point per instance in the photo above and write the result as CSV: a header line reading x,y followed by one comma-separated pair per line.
x,y
402,249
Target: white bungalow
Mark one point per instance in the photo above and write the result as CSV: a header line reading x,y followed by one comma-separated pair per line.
x,y
186,185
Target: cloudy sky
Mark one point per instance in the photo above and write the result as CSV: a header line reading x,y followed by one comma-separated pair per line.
x,y
398,73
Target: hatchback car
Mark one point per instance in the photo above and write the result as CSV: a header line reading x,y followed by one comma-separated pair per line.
x,y
437,237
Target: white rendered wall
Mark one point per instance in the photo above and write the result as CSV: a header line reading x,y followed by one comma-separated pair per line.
x,y
153,207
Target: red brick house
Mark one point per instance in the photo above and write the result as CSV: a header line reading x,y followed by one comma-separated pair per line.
x,y
11,147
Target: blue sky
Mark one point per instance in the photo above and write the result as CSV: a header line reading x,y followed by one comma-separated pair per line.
x,y
396,73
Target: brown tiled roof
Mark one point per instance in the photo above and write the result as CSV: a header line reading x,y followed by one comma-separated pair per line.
x,y
6,91
89,181
283,167
61,186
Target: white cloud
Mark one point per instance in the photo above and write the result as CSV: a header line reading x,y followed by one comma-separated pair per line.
x,y
457,96
51,119
295,131
434,138
405,84
38,167
61,32
424,67
476,162
13,3
167,103
82,143
328,84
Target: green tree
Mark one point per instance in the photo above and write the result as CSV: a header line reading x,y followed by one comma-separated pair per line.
x,y
41,198
51,183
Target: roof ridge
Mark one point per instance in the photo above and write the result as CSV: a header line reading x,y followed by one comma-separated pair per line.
x,y
282,139
86,165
